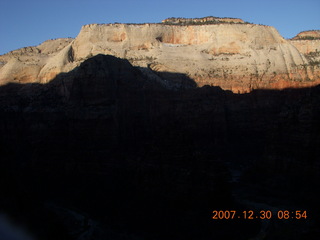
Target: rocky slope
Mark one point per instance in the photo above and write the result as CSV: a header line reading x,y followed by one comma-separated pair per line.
x,y
238,57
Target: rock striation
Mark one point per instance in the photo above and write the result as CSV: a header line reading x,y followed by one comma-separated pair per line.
x,y
233,55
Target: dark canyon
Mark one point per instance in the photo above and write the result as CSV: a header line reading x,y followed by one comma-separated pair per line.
x,y
103,152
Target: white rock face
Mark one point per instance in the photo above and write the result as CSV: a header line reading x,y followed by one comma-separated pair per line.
x,y
26,65
237,57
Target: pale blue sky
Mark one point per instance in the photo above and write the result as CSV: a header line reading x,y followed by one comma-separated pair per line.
x,y
28,23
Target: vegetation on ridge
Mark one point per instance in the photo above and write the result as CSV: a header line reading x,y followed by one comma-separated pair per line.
x,y
202,21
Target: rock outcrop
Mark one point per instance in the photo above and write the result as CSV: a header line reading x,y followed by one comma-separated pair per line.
x,y
238,57
308,35
25,65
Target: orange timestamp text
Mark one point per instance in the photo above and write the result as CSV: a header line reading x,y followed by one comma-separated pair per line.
x,y
262,214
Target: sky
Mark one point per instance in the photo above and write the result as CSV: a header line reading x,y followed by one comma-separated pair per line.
x,y
30,22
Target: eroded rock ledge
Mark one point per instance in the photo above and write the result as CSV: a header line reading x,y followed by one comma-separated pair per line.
x,y
308,35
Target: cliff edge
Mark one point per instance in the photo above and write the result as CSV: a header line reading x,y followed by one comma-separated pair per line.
x,y
234,55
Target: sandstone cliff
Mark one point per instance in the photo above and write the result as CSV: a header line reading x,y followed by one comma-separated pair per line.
x,y
237,57
24,65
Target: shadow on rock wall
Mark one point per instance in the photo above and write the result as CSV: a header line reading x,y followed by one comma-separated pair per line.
x,y
126,158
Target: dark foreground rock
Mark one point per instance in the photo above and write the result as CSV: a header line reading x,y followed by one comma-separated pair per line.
x,y
103,152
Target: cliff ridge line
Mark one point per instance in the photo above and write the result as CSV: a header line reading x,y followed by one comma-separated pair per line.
x,y
237,57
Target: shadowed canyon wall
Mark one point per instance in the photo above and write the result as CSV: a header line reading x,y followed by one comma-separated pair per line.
x,y
105,141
